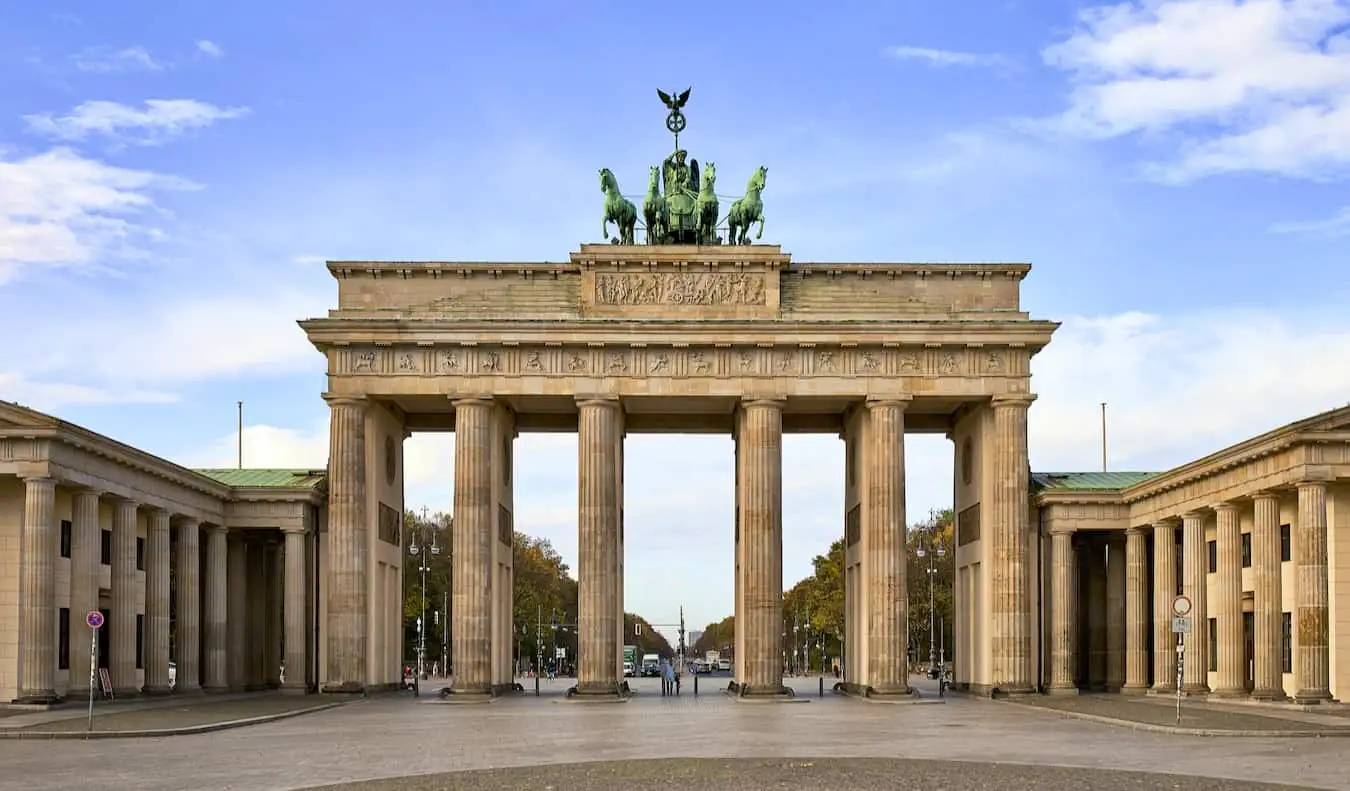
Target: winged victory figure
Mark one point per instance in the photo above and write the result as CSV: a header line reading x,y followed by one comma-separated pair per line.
x,y
676,102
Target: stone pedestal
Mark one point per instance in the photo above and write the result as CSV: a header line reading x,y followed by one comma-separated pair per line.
x,y
122,617
187,602
1267,614
1230,681
1312,658
1063,613
348,553
1195,567
1164,590
155,646
759,493
297,659
216,673
85,546
1010,604
888,610
1137,620
471,581
37,593
598,541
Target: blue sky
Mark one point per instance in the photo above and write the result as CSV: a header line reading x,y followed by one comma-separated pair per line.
x,y
171,178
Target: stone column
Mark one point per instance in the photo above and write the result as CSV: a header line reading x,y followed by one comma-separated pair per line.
x,y
85,545
273,627
122,618
471,581
1195,567
1137,623
155,650
888,627
297,660
237,613
216,677
760,491
1011,604
1063,613
1230,682
37,593
187,603
1164,590
1267,610
1311,647
598,539
1116,642
259,648
348,561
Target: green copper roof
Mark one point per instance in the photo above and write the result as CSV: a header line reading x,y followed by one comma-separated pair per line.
x,y
281,479
1087,481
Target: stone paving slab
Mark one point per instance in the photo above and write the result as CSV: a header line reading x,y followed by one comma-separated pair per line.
x,y
1196,718
163,720
807,774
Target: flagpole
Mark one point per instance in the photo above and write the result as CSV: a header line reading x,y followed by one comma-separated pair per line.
x,y
241,434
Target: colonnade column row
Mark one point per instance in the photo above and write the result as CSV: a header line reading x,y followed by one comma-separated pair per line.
x,y
1011,604
1195,566
888,627
37,593
122,621
348,561
1164,590
1267,612
1063,613
471,576
85,548
216,673
294,612
1137,621
598,621
759,493
1231,680
1312,658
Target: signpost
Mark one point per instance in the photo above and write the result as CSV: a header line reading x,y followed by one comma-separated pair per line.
x,y
1181,626
94,619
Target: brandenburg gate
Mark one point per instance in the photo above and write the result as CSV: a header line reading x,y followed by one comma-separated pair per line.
x,y
682,334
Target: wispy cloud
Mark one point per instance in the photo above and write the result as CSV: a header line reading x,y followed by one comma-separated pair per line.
x,y
210,48
1190,68
941,58
1336,225
158,121
108,60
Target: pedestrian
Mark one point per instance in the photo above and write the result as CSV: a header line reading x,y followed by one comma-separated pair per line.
x,y
668,676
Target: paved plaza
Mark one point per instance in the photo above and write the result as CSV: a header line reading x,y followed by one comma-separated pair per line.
x,y
392,736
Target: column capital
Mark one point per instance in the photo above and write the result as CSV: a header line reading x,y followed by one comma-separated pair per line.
x,y
1013,399
599,400
185,520
212,527
39,480
894,402
1224,507
1138,530
471,400
1311,484
1061,530
293,530
335,399
158,510
1194,513
1167,523
763,401
1266,495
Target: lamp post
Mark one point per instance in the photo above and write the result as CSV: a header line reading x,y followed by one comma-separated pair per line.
x,y
937,552
415,548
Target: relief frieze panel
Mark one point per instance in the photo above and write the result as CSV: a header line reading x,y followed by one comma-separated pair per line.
x,y
680,288
679,361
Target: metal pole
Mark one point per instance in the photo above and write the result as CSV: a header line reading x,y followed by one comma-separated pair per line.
x,y
93,672
241,434
422,624
1103,436
932,648
1181,661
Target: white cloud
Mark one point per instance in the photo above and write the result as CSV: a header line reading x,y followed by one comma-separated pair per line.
x,y
210,48
160,120
49,397
60,208
1177,388
1334,226
1261,85
944,57
107,60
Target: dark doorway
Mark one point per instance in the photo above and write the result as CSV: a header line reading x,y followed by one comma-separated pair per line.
x,y
1249,651
103,639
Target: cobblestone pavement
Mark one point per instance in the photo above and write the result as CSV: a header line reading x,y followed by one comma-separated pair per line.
x,y
857,774
393,736
1161,711
200,711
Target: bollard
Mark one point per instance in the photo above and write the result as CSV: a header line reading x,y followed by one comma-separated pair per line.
x,y
695,686
536,685
822,687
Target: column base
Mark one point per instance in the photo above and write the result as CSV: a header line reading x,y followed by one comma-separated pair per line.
x,y
345,688
1268,695
761,692
221,689
1011,691
126,692
469,689
1229,693
294,689
1134,689
891,692
1063,691
1305,697
596,689
187,689
157,691
1195,690
42,697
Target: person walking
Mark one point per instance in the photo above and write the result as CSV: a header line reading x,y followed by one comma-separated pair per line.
x,y
668,675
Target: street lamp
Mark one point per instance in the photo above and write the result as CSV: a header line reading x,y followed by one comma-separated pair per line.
x,y
415,549
938,552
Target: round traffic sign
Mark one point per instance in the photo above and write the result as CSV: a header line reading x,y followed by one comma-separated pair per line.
x,y
94,618
1181,606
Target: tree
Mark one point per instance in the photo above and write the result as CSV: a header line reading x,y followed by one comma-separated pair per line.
x,y
434,530
720,636
637,631
936,531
